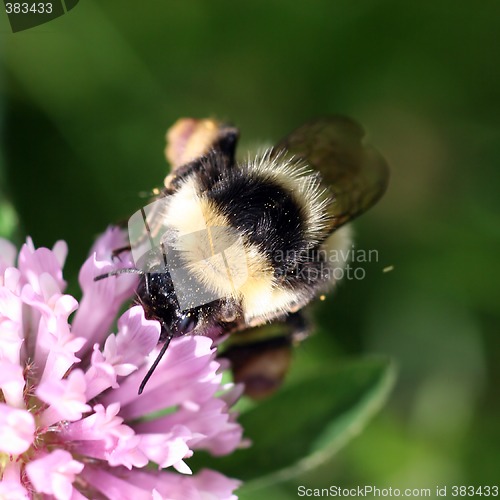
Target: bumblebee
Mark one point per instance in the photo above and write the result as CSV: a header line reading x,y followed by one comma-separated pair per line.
x,y
240,247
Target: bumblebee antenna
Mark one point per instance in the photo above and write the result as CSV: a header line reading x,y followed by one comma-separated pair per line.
x,y
155,364
127,270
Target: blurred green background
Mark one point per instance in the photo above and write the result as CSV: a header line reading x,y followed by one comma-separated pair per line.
x,y
86,100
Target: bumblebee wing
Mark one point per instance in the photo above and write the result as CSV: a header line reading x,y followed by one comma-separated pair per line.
x,y
356,174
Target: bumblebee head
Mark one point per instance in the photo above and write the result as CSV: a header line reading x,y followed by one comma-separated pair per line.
x,y
156,293
180,301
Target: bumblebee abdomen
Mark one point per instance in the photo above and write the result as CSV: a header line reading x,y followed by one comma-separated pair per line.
x,y
266,214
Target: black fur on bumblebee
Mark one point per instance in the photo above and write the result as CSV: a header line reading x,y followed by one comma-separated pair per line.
x,y
252,235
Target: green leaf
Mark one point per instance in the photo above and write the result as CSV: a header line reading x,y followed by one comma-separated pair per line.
x,y
307,423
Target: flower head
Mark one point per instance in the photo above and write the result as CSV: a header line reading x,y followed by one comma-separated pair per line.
x,y
71,423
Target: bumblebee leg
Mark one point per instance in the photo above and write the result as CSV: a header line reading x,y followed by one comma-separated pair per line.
x,y
116,253
261,362
300,327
